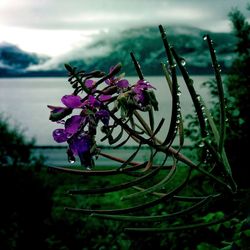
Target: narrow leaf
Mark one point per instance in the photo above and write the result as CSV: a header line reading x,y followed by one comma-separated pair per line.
x,y
154,187
118,187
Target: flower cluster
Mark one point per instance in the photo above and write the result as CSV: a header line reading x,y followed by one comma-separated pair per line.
x,y
80,129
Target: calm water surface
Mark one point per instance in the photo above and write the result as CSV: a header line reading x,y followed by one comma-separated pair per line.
x,y
24,101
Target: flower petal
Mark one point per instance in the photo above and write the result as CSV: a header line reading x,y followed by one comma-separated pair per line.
x,y
103,115
89,83
60,135
73,124
80,144
92,102
71,101
144,84
122,83
104,98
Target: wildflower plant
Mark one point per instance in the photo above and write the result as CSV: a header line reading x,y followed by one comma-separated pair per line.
x,y
112,104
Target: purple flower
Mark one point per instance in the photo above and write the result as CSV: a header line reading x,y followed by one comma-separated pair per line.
x,y
90,84
103,115
70,101
122,84
80,145
72,125
91,102
139,89
117,81
142,85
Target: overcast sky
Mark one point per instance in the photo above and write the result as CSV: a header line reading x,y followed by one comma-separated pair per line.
x,y
54,27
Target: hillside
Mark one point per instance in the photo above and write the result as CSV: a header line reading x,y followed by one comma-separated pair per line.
x,y
14,61
109,49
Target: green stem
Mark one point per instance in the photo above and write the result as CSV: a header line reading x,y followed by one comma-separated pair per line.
x,y
220,92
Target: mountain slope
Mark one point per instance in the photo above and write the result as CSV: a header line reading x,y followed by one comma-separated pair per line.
x,y
148,48
109,49
14,61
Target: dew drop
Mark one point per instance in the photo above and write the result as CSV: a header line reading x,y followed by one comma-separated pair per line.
x,y
201,145
71,161
179,116
205,37
178,93
183,61
88,168
173,66
58,132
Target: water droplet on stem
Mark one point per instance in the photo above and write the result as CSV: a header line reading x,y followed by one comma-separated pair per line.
x,y
205,37
183,61
71,161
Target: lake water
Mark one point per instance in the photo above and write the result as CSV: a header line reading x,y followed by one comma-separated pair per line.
x,y
24,101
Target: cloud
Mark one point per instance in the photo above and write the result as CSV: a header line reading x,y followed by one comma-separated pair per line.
x,y
86,52
98,14
54,26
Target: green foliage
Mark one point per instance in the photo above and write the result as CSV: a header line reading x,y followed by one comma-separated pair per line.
x,y
237,99
14,148
32,214
25,209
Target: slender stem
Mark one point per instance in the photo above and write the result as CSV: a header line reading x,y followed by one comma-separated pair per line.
x,y
217,70
174,90
137,66
166,149
193,94
180,228
156,218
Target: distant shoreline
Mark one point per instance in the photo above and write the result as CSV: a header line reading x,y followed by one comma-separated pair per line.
x,y
63,75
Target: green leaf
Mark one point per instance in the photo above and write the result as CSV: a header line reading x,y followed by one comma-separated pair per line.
x,y
54,117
